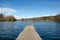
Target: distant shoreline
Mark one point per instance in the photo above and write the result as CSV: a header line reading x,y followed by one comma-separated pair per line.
x,y
45,18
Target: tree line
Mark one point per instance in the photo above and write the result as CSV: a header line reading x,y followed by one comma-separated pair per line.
x,y
7,18
55,18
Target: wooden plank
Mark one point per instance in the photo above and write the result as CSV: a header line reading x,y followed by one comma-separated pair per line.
x,y
28,33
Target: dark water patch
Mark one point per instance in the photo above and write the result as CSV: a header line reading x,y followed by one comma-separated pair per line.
x,y
7,38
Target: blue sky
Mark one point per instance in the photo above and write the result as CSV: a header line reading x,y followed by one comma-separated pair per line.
x,y
30,8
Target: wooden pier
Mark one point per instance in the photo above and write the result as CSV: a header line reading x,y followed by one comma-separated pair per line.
x,y
29,33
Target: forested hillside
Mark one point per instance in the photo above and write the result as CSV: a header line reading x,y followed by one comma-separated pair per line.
x,y
45,18
7,18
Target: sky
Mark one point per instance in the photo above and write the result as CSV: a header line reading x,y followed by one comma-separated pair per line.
x,y
29,8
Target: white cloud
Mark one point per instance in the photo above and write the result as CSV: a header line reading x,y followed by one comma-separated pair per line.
x,y
17,17
8,11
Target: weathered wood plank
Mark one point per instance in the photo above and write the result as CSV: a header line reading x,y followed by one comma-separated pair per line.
x,y
28,33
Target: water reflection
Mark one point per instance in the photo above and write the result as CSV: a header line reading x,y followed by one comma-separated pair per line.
x,y
47,30
6,27
56,35
57,26
1,26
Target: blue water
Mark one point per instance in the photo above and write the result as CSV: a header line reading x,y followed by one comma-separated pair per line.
x,y
46,30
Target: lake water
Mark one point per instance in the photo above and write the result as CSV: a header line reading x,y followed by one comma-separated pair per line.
x,y
47,30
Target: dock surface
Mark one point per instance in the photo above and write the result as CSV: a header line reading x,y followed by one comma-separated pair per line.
x,y
28,33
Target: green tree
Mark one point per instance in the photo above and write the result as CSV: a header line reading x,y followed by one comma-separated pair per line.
x,y
1,17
